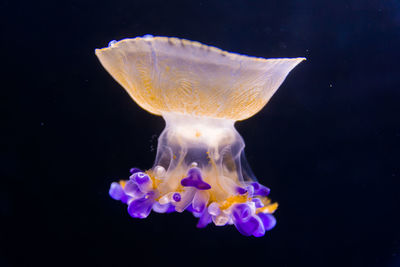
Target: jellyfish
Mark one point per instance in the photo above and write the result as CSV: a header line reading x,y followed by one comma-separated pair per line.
x,y
200,165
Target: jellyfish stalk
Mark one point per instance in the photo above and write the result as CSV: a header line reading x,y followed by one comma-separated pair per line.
x,y
200,91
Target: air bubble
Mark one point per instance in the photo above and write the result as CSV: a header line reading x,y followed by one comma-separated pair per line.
x,y
194,164
159,171
147,36
112,43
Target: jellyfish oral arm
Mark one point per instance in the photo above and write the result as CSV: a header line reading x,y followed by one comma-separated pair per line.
x,y
207,144
200,167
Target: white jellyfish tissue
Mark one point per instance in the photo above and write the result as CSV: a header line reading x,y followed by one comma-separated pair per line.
x,y
200,91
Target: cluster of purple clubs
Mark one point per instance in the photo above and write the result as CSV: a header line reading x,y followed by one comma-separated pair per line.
x,y
141,197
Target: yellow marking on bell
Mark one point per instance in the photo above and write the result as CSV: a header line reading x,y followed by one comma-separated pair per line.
x,y
167,68
198,134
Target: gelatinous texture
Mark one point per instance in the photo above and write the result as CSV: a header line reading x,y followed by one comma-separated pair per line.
x,y
200,165
250,213
174,75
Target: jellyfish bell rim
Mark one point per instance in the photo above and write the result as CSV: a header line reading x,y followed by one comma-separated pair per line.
x,y
113,44
215,57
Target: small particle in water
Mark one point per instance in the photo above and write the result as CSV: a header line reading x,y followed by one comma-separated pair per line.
x,y
42,123
330,85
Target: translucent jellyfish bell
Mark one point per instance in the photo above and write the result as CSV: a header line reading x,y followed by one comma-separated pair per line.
x,y
200,91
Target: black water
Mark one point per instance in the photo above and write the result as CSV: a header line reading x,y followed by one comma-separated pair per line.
x,y
328,142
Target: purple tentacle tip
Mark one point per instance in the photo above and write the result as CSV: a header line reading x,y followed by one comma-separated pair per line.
x,y
249,227
176,197
204,219
141,207
190,208
241,212
116,191
194,179
132,189
171,208
143,181
141,178
241,190
258,202
134,170
162,208
260,190
268,220
246,223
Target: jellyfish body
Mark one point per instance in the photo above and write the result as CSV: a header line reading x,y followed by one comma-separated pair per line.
x,y
200,91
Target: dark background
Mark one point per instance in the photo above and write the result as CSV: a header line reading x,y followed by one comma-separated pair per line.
x,y
327,144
